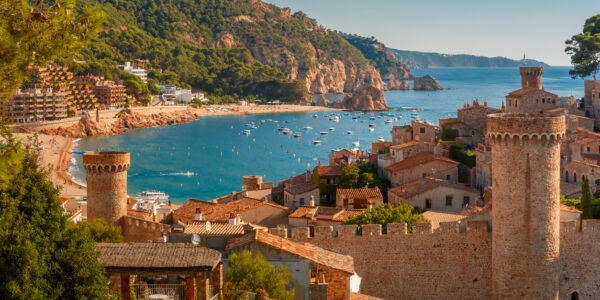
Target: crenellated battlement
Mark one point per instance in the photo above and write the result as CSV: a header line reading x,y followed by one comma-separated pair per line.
x,y
99,169
140,230
497,138
106,162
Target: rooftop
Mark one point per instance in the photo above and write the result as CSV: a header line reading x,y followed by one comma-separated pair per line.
x,y
330,213
215,211
418,160
362,193
319,255
329,170
214,228
524,91
422,185
156,257
436,217
300,184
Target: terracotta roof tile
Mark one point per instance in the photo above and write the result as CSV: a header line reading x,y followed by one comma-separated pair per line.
x,y
319,255
435,217
567,208
300,184
362,193
330,170
417,160
215,211
214,228
426,184
325,213
357,296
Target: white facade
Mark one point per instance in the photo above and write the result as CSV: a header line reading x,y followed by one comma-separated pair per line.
x,y
139,72
172,95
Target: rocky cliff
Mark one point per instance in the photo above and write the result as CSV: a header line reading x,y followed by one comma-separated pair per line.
x,y
394,85
370,98
125,120
426,83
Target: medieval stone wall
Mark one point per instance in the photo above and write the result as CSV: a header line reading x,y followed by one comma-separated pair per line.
x,y
142,231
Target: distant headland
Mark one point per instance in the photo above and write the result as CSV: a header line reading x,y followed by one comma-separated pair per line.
x,y
425,60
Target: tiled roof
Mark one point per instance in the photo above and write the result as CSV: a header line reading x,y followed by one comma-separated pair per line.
x,y
329,170
300,184
214,228
156,256
319,255
405,145
524,91
139,214
215,211
567,208
435,217
357,296
332,213
422,185
418,160
362,193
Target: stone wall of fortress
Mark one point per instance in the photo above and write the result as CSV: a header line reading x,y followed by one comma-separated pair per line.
x,y
449,264
141,231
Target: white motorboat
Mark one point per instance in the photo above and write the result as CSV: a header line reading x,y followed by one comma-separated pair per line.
x,y
356,144
297,135
247,132
287,132
331,129
380,139
307,128
387,121
350,132
372,125
153,195
324,132
316,142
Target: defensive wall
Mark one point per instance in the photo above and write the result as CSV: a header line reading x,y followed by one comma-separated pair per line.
x,y
449,264
141,231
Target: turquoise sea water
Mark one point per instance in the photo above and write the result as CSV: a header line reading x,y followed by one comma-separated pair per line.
x,y
218,154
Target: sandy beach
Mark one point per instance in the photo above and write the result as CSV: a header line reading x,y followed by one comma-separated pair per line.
x,y
56,150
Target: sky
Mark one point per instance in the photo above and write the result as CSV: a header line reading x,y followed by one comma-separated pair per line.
x,y
509,28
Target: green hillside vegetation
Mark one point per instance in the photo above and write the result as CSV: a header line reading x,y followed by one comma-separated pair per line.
x,y
415,59
234,48
379,55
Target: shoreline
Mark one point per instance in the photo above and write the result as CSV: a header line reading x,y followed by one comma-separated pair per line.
x,y
57,148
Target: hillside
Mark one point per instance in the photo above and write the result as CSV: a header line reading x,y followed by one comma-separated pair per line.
x,y
415,59
380,56
224,47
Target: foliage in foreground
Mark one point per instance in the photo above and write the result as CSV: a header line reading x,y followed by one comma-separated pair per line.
x,y
389,213
584,48
42,254
255,274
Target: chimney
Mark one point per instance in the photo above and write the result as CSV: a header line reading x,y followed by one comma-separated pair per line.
x,y
232,219
198,215
307,176
319,163
312,201
163,237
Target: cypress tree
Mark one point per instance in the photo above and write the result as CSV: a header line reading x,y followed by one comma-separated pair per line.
x,y
586,199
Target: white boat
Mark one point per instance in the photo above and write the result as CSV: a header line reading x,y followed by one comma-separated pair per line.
x,y
371,129
334,119
388,121
307,128
153,195
297,135
287,132
315,116
247,132
331,129
398,117
372,125
324,132
282,128
356,144
350,132
380,139
316,142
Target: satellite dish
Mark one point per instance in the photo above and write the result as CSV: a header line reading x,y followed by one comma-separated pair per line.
x,y
196,239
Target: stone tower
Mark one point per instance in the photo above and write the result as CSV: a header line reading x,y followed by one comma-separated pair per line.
x,y
531,77
525,213
106,185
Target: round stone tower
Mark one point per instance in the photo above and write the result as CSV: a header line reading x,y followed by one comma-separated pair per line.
x,y
106,185
531,77
525,205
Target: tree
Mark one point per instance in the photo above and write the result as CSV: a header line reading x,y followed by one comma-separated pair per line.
x,y
197,102
42,255
34,34
586,199
350,176
389,213
255,274
584,49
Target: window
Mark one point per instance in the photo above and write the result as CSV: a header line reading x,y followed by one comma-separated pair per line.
x,y
422,129
508,102
448,177
566,176
424,175
516,102
574,177
588,149
301,201
466,200
537,100
472,132
427,203
448,200
543,100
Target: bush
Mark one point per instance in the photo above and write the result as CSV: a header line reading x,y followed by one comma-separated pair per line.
x,y
458,153
449,134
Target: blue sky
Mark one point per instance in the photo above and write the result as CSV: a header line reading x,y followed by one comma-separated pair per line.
x,y
508,28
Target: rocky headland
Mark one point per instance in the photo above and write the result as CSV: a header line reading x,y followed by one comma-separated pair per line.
x,y
370,98
123,121
426,83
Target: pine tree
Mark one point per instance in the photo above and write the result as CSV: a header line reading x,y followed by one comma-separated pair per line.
x,y
586,199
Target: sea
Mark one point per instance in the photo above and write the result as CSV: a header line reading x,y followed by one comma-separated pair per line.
x,y
206,158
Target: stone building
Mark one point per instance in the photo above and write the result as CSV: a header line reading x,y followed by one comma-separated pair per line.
x,y
361,198
470,123
483,166
416,131
435,194
531,97
300,190
591,100
311,216
528,254
420,166
110,94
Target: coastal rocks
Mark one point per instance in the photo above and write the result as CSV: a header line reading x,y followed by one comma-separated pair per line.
x,y
123,121
426,83
394,85
370,98
321,101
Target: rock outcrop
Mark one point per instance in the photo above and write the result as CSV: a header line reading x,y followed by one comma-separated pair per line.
x,y
370,98
394,85
321,101
125,120
426,83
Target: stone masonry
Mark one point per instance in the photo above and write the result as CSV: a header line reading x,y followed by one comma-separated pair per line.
x,y
106,185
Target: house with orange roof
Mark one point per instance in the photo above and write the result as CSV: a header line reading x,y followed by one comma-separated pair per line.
x,y
361,198
416,131
317,273
435,194
420,166
246,210
300,190
311,216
